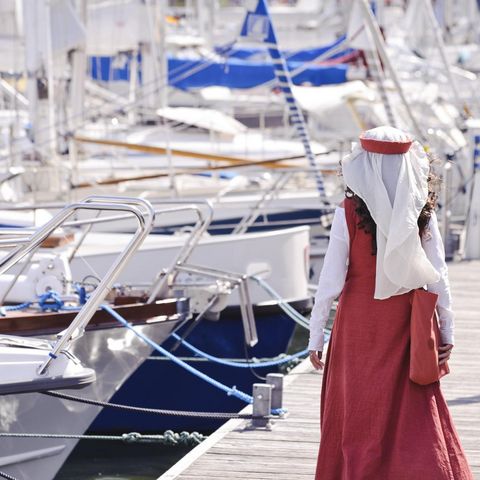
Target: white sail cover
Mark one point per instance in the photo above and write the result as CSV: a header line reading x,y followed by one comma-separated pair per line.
x,y
395,189
11,50
117,26
51,26
67,31
358,34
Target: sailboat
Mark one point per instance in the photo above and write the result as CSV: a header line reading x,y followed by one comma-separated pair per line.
x,y
60,347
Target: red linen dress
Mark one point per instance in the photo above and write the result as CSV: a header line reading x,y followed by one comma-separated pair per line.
x,y
375,423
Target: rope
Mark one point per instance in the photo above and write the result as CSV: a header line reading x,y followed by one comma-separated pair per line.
x,y
285,306
51,301
229,363
7,476
229,390
286,368
14,308
48,301
81,291
156,411
168,438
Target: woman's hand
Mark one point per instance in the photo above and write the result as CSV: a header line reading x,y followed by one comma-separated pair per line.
x,y
444,353
315,358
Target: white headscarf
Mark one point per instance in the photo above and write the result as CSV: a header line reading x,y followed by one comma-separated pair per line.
x,y
395,189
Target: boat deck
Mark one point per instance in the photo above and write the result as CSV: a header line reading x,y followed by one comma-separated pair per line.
x,y
289,450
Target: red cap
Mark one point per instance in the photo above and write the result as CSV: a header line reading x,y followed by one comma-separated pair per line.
x,y
384,146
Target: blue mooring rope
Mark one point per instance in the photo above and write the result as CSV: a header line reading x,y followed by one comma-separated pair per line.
x,y
229,390
229,363
14,308
51,301
256,364
48,301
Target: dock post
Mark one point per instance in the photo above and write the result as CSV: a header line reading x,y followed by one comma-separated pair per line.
x,y
262,404
276,380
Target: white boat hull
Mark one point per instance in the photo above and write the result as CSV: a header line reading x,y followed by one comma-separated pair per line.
x,y
279,257
114,354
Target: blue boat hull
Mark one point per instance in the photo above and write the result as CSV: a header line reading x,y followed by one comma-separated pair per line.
x,y
159,383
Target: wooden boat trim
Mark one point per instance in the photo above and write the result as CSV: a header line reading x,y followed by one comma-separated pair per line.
x,y
30,323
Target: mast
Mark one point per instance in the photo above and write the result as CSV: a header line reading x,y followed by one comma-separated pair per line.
x,y
206,21
39,69
258,26
161,28
151,95
472,242
372,25
428,8
40,93
77,91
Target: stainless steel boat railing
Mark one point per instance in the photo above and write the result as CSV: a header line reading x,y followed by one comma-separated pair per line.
x,y
167,277
140,209
201,225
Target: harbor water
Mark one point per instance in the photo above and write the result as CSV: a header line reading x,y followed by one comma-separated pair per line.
x,y
94,460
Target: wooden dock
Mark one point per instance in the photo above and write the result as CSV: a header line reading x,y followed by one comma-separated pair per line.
x,y
289,450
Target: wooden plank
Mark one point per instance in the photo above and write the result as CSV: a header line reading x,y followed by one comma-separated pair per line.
x,y
289,449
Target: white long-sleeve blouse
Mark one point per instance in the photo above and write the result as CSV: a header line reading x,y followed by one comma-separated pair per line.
x,y
334,271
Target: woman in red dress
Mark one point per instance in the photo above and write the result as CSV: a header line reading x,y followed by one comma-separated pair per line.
x,y
376,424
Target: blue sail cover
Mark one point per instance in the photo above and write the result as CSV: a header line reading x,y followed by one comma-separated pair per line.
x,y
188,74
235,73
107,68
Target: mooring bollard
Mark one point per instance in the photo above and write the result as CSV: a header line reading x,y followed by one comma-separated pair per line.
x,y
262,404
276,380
